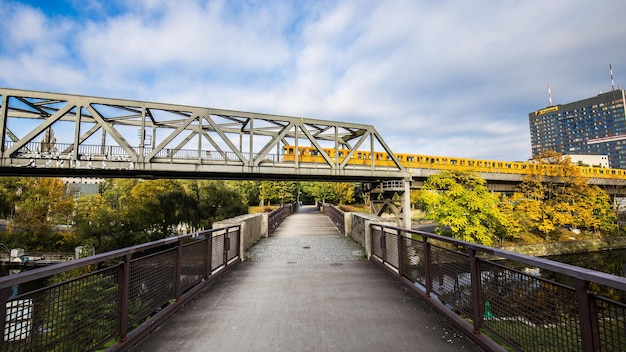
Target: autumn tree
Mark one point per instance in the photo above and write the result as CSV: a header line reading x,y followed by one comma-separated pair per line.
x,y
40,203
462,207
556,194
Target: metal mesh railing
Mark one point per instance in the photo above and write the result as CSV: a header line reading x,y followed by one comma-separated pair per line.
x,y
336,216
277,216
513,297
87,303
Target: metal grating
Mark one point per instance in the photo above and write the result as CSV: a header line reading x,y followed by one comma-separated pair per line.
x,y
376,243
531,313
76,315
151,284
233,244
413,260
612,324
451,280
192,264
217,257
391,249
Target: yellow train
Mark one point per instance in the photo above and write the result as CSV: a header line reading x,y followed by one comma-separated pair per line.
x,y
418,161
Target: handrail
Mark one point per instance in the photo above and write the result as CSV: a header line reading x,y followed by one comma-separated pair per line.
x,y
336,216
505,293
114,297
276,217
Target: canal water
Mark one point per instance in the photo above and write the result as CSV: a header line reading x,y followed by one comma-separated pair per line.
x,y
610,262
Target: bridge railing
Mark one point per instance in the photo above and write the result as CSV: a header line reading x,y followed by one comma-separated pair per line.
x,y
276,216
527,303
90,303
336,216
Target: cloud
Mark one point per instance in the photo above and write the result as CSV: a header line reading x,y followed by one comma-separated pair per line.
x,y
445,77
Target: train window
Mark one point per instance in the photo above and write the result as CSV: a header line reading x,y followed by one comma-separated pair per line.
x,y
290,150
409,158
340,154
454,162
314,152
358,155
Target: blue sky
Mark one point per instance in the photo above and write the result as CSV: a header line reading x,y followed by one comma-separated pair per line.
x,y
450,77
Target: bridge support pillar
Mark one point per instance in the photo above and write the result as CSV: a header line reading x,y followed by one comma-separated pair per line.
x,y
392,197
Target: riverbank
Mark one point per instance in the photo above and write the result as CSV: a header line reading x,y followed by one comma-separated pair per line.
x,y
569,247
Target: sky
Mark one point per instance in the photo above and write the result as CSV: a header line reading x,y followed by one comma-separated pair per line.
x,y
448,77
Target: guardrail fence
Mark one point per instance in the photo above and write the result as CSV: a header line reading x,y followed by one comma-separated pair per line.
x,y
336,216
111,299
523,302
276,216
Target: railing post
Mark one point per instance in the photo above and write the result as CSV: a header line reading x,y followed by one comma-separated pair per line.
x,y
477,309
428,272
587,316
239,254
383,245
208,256
124,287
226,247
5,293
178,270
400,255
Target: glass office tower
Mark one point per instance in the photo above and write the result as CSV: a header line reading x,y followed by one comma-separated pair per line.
x,y
593,126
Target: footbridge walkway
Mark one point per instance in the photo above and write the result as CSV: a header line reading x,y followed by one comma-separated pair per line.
x,y
306,288
288,281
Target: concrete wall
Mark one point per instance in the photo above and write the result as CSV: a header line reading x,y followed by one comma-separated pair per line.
x,y
253,227
358,225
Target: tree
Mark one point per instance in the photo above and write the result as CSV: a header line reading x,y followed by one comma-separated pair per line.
x,y
344,192
218,201
40,204
556,195
462,207
320,191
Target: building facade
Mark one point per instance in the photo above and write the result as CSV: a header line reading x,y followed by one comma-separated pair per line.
x,y
593,126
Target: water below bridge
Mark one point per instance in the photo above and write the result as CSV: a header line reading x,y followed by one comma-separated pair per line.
x,y
306,288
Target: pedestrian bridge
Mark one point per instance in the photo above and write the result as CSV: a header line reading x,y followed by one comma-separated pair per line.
x,y
300,281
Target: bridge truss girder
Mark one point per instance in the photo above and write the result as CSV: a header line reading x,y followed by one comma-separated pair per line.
x,y
63,134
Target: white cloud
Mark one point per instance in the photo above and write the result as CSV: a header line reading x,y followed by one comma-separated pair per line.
x,y
445,77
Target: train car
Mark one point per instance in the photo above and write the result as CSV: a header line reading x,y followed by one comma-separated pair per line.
x,y
418,161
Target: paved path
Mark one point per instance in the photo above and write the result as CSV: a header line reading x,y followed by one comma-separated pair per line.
x,y
306,288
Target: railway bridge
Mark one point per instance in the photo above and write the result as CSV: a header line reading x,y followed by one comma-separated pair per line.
x,y
53,134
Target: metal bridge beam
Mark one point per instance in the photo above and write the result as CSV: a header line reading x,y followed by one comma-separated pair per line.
x,y
63,134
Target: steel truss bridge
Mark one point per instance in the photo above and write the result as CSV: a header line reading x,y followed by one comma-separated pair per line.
x,y
51,134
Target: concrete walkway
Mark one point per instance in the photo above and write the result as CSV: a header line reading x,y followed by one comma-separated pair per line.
x,y
306,288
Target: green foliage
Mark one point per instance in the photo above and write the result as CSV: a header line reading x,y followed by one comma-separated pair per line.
x,y
34,205
129,212
462,207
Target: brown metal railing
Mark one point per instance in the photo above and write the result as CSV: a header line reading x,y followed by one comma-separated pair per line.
x,y
276,216
111,299
524,302
336,216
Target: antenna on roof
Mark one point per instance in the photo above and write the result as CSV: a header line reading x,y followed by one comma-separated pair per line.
x,y
612,82
549,94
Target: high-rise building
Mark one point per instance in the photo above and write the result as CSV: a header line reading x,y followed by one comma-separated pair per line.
x,y
593,126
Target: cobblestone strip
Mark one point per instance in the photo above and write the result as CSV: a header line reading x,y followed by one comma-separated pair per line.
x,y
306,236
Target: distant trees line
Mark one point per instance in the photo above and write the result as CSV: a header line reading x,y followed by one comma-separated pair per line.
x,y
126,212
